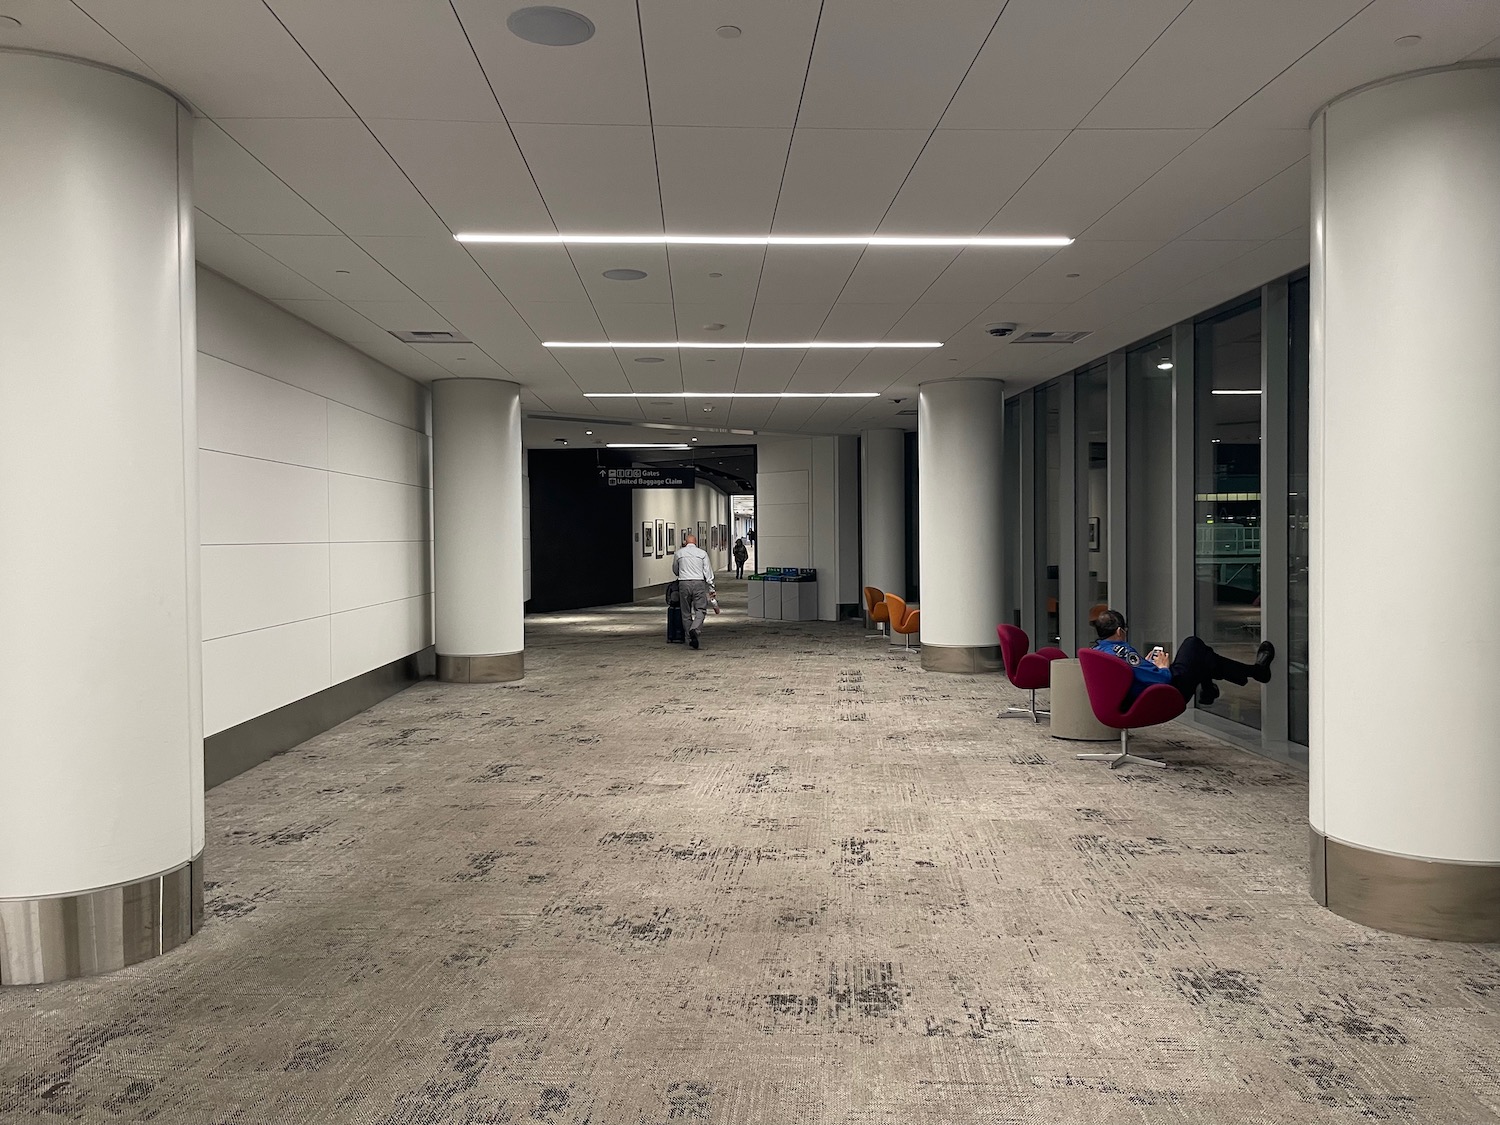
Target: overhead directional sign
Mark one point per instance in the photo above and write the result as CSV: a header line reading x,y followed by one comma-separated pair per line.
x,y
649,478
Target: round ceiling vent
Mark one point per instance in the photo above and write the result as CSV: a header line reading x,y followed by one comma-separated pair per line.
x,y
625,275
728,31
649,359
713,327
550,27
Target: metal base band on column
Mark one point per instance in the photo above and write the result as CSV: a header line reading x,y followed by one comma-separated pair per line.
x,y
1426,898
51,939
969,659
481,669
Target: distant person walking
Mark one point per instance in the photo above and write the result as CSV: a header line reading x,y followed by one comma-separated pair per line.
x,y
695,578
741,553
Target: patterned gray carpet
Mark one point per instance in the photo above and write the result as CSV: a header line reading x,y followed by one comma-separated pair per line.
x,y
788,879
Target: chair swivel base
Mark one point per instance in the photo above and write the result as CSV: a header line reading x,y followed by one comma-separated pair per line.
x,y
1124,756
1032,710
1117,760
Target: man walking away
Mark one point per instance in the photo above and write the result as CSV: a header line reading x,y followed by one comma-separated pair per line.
x,y
695,574
741,553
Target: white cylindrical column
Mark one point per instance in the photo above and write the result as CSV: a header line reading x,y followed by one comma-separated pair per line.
x,y
883,509
477,536
1405,546
959,466
101,732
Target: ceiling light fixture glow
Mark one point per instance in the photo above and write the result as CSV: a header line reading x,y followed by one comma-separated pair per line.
x,y
732,394
747,345
1164,365
1236,392
762,239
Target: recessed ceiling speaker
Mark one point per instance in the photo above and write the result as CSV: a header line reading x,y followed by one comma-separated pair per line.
x,y
625,275
550,27
649,359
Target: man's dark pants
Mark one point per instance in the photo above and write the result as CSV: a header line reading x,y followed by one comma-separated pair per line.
x,y
1196,664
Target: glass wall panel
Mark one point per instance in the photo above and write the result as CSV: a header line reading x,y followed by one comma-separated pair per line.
x,y
1049,453
1093,494
1226,508
1299,362
1010,515
1148,444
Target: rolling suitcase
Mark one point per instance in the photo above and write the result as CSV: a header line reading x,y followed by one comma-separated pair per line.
x,y
676,634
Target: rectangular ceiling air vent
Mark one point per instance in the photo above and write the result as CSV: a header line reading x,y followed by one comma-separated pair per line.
x,y
906,414
1050,337
431,336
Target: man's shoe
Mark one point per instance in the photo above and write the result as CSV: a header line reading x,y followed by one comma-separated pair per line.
x,y
693,637
1263,657
1207,693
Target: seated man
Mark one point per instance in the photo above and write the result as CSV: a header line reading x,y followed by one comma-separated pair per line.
x,y
1196,668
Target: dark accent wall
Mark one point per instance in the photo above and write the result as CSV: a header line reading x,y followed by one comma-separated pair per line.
x,y
581,530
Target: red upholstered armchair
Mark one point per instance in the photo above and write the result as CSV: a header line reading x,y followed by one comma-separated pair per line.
x,y
1108,681
1026,670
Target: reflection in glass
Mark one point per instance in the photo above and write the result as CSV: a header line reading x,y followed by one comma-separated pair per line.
x,y
1226,508
1093,495
1048,502
1294,666
1148,415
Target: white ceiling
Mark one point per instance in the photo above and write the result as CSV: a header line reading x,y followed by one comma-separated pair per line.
x,y
1169,137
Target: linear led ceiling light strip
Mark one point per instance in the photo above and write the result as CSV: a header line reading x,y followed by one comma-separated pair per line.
x,y
763,239
733,394
793,345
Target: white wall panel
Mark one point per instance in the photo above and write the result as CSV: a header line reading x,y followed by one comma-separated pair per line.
x,y
366,574
243,412
363,445
249,674
287,609
376,635
362,510
247,500
257,585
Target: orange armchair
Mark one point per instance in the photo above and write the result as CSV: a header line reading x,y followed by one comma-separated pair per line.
x,y
904,620
875,607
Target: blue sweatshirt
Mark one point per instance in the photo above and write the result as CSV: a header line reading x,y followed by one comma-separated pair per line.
x,y
1146,673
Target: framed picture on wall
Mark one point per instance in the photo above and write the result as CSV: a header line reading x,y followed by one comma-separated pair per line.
x,y
1093,533
685,533
671,538
724,535
661,539
646,529
703,535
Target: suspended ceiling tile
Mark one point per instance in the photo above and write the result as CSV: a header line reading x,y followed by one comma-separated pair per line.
x,y
963,177
936,320
1188,80
1017,83
985,273
693,319
591,263
700,78
225,252
787,320
410,315
599,82
393,58
842,181
64,29
1089,173
437,268
529,274
472,173
338,167
464,360
335,264
896,276
240,192
720,181
231,58
655,323
807,274
598,179
1279,205
1094,262
891,64
1218,169
738,267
